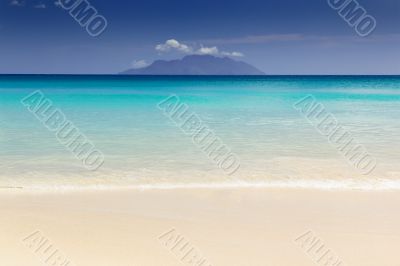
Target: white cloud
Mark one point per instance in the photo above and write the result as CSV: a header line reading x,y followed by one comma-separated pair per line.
x,y
21,3
139,64
208,51
40,6
17,3
232,54
215,51
259,39
173,44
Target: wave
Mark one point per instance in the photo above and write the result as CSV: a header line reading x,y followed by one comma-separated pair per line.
x,y
332,185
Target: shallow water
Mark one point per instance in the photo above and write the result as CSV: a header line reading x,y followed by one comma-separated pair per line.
x,y
253,116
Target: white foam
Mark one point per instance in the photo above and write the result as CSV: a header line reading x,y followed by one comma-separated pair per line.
x,y
334,185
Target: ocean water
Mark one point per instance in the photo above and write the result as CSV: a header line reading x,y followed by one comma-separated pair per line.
x,y
255,117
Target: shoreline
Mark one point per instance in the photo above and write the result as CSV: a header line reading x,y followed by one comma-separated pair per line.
x,y
306,185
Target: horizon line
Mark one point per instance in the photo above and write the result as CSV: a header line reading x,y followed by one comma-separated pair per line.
x,y
155,75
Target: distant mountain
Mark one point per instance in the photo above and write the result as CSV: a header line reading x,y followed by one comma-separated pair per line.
x,y
197,65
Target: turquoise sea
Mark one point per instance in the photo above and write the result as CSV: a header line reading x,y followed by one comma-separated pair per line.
x,y
253,116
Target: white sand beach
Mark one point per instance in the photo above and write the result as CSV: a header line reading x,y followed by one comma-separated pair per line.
x,y
246,227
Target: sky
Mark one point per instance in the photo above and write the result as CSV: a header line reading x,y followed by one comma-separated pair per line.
x,y
280,37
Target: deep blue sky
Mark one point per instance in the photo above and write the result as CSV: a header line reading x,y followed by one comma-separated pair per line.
x,y
277,36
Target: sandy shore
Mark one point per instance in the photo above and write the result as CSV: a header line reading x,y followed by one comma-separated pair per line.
x,y
223,227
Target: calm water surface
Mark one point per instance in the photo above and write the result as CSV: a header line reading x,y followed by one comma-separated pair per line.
x,y
254,116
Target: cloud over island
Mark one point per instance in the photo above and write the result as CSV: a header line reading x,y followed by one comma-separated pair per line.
x,y
173,45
